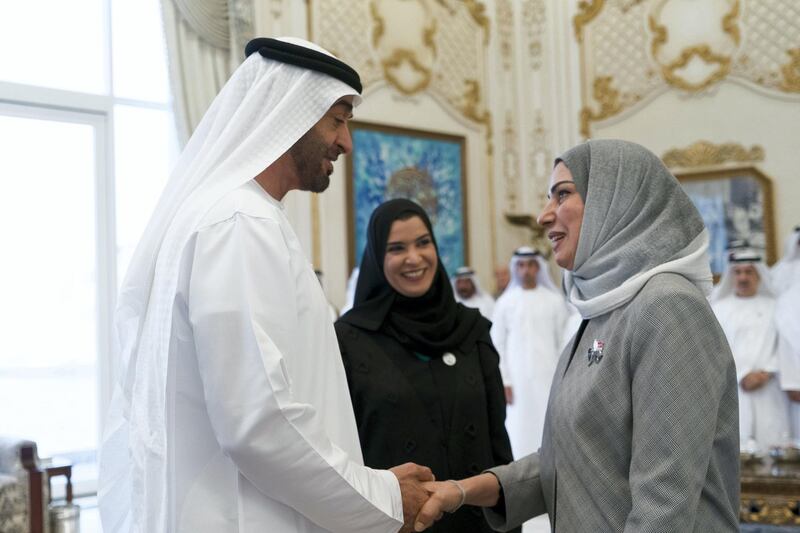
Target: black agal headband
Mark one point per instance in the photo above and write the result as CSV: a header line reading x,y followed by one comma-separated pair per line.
x,y
303,57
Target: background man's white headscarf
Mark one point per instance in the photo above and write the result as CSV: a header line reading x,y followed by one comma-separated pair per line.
x,y
785,279
727,284
543,278
466,272
786,272
637,222
260,113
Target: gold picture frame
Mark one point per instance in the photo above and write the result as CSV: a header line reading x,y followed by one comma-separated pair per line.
x,y
736,204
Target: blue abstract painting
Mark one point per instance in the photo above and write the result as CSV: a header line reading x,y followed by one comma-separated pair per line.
x,y
389,163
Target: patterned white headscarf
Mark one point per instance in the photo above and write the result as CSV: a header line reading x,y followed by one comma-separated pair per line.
x,y
637,222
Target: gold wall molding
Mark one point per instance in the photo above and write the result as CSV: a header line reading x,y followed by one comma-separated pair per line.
x,y
587,12
476,10
704,52
473,108
404,67
706,153
791,72
403,57
608,97
442,52
510,160
537,237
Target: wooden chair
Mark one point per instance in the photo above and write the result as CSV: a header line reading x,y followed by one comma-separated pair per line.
x,y
25,487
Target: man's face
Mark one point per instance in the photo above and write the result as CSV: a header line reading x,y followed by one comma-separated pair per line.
x,y
746,279
314,153
527,269
501,277
465,288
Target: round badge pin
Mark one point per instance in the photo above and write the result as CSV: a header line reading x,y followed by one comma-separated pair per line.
x,y
449,359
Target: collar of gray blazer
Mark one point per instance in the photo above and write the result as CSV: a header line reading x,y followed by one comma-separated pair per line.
x,y
637,222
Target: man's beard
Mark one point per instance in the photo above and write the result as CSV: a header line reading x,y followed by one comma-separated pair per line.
x,y
309,153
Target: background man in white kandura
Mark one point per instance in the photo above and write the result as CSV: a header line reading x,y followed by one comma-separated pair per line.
x,y
786,284
232,412
527,329
745,307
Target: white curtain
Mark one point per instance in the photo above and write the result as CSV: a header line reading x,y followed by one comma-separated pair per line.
x,y
205,44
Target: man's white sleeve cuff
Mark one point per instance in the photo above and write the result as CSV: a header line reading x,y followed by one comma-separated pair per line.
x,y
397,498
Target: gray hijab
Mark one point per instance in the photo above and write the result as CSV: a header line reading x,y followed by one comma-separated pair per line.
x,y
637,222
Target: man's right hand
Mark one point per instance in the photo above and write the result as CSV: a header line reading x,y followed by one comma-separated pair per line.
x,y
509,395
794,395
411,477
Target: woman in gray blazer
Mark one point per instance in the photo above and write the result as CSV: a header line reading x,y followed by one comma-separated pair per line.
x,y
641,431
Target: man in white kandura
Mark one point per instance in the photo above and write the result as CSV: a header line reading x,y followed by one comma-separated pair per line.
x,y
527,327
745,307
467,290
786,283
232,411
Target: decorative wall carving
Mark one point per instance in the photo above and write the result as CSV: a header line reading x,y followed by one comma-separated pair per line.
x,y
510,161
772,32
505,32
705,153
533,21
631,49
587,11
716,56
406,52
791,72
540,156
439,47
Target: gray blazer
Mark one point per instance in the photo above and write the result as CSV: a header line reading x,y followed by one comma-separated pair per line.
x,y
646,438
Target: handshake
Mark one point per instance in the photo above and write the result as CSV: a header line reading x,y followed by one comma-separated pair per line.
x,y
424,499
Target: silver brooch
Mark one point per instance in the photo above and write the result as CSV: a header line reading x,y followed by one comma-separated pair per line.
x,y
595,354
449,359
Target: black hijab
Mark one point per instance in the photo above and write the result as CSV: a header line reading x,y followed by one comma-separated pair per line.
x,y
431,324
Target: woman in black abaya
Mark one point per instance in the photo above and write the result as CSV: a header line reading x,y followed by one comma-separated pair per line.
x,y
423,373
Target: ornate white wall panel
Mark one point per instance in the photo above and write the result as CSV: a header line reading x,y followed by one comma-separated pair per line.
x,y
635,50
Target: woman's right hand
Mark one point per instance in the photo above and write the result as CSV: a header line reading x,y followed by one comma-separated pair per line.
x,y
482,490
443,497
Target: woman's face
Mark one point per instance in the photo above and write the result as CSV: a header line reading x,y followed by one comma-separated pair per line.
x,y
410,261
562,216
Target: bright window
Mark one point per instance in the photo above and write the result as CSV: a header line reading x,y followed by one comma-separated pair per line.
x,y
53,43
88,140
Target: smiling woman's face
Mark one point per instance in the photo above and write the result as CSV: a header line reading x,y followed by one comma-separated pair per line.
x,y
562,216
410,262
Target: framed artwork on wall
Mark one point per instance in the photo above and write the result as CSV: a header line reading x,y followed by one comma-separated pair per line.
x,y
737,206
390,162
